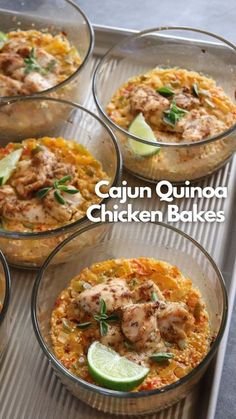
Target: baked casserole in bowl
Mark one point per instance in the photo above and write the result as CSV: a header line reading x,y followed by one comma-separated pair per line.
x,y
169,95
44,49
5,291
48,182
132,322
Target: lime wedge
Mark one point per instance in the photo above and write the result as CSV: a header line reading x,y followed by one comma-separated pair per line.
x,y
8,165
113,371
141,129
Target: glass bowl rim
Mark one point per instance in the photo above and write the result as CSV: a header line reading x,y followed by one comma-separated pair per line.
x,y
137,35
76,72
7,277
119,394
117,175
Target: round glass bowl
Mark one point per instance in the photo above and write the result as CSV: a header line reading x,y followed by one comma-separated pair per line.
x,y
129,240
186,48
34,118
5,290
55,17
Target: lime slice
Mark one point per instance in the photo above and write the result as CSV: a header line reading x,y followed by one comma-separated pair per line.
x,y
141,129
113,371
8,165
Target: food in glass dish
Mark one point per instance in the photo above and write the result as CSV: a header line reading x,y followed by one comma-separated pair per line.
x,y
130,324
32,61
46,183
174,106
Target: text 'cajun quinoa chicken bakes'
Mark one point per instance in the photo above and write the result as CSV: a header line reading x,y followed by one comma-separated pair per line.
x,y
33,61
143,309
173,106
46,183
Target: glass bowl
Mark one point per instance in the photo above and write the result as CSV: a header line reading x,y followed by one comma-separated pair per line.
x,y
55,17
73,123
5,291
129,240
168,47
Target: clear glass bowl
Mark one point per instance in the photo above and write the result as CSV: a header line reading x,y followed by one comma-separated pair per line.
x,y
73,123
168,47
129,240
57,16
5,291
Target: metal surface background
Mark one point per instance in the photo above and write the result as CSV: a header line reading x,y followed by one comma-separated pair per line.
x,y
28,387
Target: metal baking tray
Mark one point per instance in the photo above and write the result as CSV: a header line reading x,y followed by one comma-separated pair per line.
x,y
29,389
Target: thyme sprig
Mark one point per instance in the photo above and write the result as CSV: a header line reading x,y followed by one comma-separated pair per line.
x,y
102,318
58,186
174,114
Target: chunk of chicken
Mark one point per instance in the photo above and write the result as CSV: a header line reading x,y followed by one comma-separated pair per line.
x,y
9,87
61,212
146,100
139,325
185,100
195,127
38,172
145,291
174,322
9,63
36,82
114,292
14,209
113,337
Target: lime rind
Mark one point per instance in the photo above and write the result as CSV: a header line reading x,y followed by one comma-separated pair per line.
x,y
113,371
8,165
141,129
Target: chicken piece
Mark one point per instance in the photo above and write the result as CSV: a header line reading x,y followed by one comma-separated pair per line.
x,y
46,60
33,174
185,100
146,100
195,127
114,292
38,172
174,322
36,82
62,212
144,292
9,87
113,337
31,211
139,325
9,63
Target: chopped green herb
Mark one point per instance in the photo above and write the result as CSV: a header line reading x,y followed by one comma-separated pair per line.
x,y
154,296
31,63
165,91
103,307
103,328
43,192
59,198
173,115
67,189
3,39
84,325
36,150
209,103
113,318
161,356
195,89
65,179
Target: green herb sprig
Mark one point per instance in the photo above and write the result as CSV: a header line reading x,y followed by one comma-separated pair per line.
x,y
58,186
31,64
165,91
162,356
173,115
102,318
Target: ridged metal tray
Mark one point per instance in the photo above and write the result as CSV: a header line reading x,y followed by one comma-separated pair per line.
x,y
29,389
